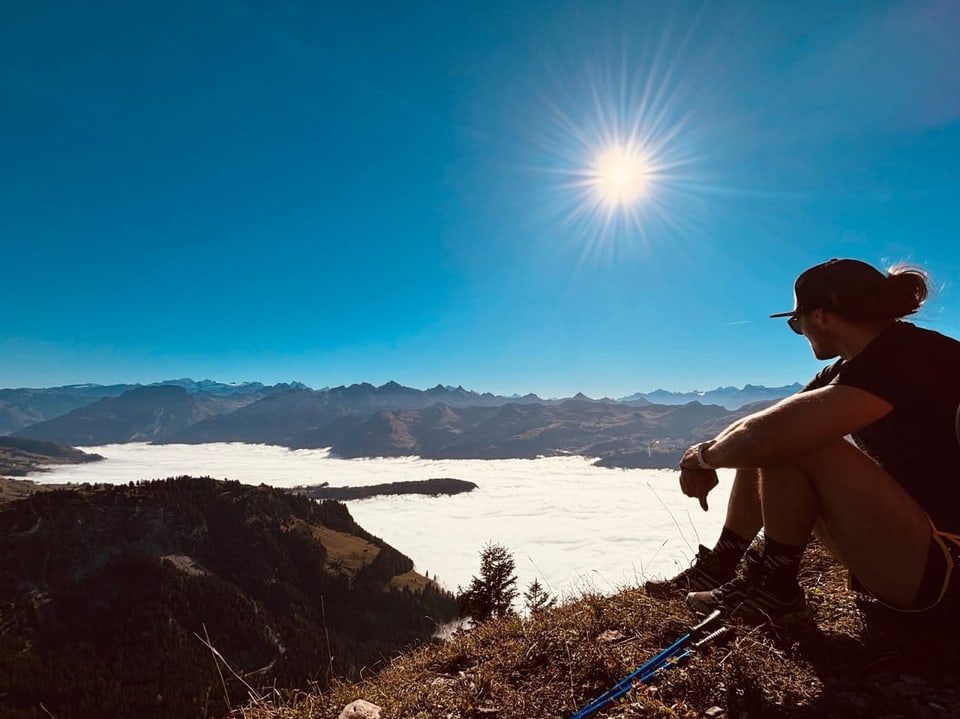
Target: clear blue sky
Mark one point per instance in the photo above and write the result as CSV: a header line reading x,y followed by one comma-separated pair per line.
x,y
338,192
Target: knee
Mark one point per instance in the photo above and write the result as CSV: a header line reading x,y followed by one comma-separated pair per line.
x,y
813,461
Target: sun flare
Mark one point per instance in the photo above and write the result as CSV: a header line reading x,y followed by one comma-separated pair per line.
x,y
622,148
620,175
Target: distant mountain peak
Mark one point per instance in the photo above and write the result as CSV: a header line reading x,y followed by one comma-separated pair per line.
x,y
728,397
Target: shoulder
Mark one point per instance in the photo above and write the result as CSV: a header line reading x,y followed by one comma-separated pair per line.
x,y
922,344
909,332
904,365
824,376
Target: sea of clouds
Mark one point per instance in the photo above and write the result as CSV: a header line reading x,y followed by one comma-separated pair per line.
x,y
573,526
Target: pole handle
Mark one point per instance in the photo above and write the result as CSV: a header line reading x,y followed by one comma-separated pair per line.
x,y
707,621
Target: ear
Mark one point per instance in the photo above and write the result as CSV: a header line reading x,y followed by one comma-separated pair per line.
x,y
820,317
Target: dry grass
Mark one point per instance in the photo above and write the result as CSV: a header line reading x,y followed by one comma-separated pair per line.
x,y
852,661
412,581
12,489
346,553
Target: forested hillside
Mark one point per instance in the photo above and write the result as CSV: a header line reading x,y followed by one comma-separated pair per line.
x,y
106,592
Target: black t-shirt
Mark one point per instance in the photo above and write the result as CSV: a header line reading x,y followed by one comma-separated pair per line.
x,y
918,372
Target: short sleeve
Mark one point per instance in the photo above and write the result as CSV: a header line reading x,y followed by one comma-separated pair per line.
x,y
824,377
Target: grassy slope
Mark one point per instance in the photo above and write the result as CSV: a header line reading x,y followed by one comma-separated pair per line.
x,y
12,489
853,660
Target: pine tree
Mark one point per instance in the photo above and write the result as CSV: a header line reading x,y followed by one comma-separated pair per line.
x,y
537,599
493,592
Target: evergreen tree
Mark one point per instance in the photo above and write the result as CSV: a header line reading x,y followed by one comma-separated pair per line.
x,y
493,592
537,599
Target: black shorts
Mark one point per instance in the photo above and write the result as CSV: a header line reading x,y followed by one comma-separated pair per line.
x,y
940,585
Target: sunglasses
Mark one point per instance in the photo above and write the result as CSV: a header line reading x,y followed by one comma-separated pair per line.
x,y
793,322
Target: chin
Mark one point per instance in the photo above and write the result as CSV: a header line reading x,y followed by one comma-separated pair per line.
x,y
824,354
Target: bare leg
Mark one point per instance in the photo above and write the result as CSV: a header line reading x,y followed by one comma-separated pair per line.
x,y
744,515
868,520
790,504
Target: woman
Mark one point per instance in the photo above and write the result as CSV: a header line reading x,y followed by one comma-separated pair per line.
x,y
888,505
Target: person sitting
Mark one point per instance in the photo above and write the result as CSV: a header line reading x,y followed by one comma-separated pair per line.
x,y
887,504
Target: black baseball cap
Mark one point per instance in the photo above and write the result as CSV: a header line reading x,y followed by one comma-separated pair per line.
x,y
838,285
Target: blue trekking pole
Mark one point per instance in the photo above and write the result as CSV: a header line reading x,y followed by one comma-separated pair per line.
x,y
677,652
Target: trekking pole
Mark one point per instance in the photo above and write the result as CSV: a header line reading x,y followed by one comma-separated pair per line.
x,y
686,653
680,650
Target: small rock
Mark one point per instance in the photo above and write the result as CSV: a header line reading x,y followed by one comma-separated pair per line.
x,y
714,712
611,635
360,709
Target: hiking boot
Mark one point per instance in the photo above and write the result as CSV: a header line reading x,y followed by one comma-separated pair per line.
x,y
752,596
708,570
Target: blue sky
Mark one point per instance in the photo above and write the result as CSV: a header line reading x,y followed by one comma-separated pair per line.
x,y
347,192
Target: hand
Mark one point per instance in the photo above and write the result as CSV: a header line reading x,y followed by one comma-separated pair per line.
x,y
696,482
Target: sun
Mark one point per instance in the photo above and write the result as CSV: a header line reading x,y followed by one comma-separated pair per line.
x,y
623,148
620,175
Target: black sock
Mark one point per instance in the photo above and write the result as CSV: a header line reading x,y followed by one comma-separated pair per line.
x,y
730,547
783,563
730,541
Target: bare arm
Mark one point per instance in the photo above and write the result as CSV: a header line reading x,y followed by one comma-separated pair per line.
x,y
794,425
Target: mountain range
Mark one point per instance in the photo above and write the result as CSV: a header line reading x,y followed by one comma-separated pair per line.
x,y
27,405
362,420
729,397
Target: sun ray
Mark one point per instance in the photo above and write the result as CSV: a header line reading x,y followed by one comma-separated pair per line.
x,y
624,145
